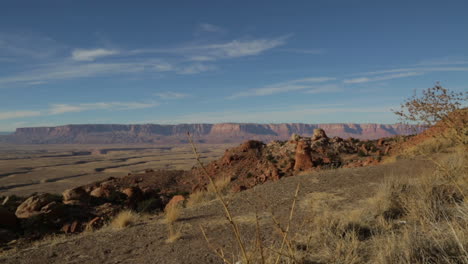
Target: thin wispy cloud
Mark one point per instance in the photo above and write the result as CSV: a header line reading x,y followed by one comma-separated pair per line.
x,y
171,95
92,54
64,71
68,108
444,61
196,68
289,86
206,27
305,51
331,88
18,114
416,69
185,60
382,78
57,109
226,50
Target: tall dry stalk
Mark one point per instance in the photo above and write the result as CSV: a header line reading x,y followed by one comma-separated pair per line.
x,y
220,198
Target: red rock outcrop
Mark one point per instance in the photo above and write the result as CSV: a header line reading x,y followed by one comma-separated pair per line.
x,y
303,158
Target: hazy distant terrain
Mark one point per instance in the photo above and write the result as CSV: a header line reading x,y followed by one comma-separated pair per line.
x,y
25,169
203,133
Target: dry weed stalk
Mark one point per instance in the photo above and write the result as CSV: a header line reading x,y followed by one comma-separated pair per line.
x,y
285,232
219,196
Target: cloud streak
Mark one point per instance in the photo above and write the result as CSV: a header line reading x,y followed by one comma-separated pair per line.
x,y
92,54
206,27
57,109
382,78
18,114
289,86
69,108
171,95
184,60
226,50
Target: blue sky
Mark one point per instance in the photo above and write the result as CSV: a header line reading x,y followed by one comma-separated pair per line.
x,y
75,62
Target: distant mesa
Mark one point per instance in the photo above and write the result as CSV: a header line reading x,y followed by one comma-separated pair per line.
x,y
203,133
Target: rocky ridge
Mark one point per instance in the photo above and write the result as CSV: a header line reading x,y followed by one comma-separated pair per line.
x,y
203,133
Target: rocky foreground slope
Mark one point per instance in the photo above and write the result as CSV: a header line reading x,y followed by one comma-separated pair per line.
x,y
204,133
244,167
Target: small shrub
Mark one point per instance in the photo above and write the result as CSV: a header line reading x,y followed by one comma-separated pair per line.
x,y
221,184
124,219
195,198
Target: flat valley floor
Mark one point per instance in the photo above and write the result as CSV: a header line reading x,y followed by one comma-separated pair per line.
x,y
25,169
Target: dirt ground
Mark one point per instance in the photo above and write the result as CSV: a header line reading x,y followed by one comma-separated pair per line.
x,y
145,242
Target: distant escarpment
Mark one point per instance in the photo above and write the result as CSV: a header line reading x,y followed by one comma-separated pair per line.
x,y
203,133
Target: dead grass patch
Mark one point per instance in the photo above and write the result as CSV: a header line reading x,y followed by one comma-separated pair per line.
x,y
171,215
124,219
200,197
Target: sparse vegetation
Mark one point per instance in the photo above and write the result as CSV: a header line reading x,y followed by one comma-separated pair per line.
x,y
209,194
171,214
124,219
436,106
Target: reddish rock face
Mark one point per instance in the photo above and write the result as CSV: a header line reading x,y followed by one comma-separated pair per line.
x,y
303,158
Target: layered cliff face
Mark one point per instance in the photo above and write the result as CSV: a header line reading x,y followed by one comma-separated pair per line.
x,y
207,133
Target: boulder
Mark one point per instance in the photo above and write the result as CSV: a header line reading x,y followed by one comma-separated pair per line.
x,y
99,192
319,134
106,210
76,195
7,219
73,227
33,205
133,193
251,144
95,223
381,142
134,196
303,159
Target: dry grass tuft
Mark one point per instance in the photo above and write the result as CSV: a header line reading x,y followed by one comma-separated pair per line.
x,y
195,198
171,214
199,197
124,219
421,217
